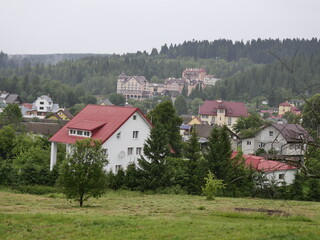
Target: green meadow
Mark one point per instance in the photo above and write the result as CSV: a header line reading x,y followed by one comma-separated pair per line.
x,y
134,215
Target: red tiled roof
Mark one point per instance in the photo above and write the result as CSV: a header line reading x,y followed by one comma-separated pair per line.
x,y
233,109
261,164
108,118
284,104
86,125
27,105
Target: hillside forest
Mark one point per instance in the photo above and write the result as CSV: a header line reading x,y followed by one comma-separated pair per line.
x,y
248,71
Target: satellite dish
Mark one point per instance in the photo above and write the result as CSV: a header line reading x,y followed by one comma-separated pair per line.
x,y
122,154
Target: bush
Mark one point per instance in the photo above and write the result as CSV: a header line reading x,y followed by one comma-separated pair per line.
x,y
8,175
212,186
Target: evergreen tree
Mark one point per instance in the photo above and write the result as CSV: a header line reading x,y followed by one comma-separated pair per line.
x,y
180,104
192,152
165,115
219,153
153,167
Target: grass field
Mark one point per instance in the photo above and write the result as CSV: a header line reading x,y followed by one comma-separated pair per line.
x,y
133,215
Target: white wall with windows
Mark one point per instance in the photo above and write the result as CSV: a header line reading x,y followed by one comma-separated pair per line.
x,y
126,144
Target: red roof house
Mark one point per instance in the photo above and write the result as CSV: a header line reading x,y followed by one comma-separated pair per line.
x,y
122,131
274,170
222,112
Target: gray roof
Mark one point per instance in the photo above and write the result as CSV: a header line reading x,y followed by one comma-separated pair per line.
x,y
140,79
292,132
13,98
43,128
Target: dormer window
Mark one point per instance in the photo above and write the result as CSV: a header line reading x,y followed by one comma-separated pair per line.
x,y
134,117
80,133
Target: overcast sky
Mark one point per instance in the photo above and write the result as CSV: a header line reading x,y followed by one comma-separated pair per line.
x,y
120,26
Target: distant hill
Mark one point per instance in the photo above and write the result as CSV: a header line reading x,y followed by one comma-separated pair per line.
x,y
46,59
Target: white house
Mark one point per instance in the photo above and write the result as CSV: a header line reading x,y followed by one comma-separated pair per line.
x,y
39,108
122,130
284,139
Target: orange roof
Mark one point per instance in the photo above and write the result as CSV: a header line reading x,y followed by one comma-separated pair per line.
x,y
103,121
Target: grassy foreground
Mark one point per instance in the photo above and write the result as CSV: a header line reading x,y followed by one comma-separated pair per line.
x,y
133,215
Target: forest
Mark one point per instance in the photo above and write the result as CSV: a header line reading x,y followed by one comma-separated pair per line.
x,y
246,69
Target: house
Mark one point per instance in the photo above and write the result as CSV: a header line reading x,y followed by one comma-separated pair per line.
x,y
61,114
194,74
9,98
175,84
203,132
210,80
105,102
284,139
122,130
287,107
156,89
40,108
221,112
43,127
274,171
135,87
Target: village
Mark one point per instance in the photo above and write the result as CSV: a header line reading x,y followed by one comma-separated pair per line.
x,y
124,130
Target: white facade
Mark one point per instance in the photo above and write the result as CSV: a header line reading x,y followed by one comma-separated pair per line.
x,y
271,138
125,146
44,104
281,177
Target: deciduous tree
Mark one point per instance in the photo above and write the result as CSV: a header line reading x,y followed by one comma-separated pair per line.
x,y
82,175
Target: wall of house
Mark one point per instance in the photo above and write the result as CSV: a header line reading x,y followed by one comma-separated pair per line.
x,y
276,142
43,105
117,149
288,176
247,146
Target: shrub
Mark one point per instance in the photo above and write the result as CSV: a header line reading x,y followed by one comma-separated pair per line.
x,y
212,186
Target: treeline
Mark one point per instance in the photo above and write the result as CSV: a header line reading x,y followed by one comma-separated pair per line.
x,y
255,50
31,87
247,70
98,74
274,81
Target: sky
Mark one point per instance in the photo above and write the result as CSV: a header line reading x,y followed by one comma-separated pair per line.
x,y
121,26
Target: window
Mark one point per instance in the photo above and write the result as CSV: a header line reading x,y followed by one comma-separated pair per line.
x,y
135,134
130,151
79,133
138,150
229,121
221,110
41,108
270,133
262,145
73,132
41,103
134,117
118,168
105,151
281,176
248,142
204,116
118,135
86,134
